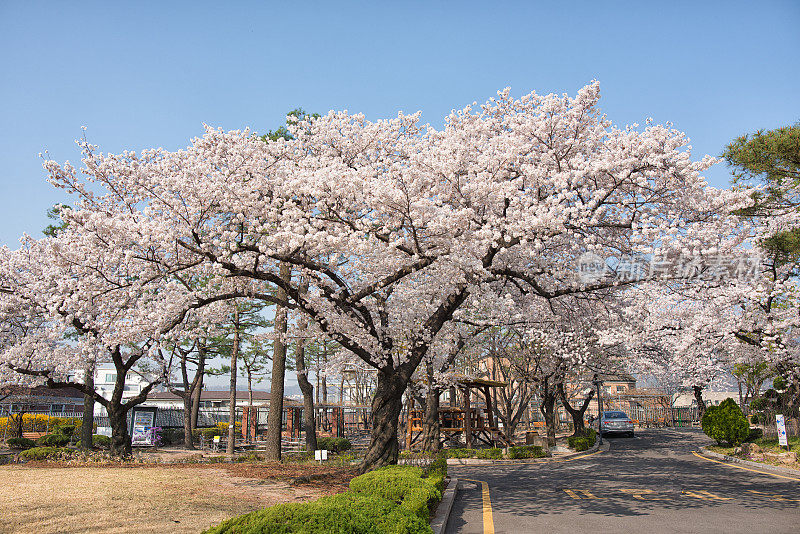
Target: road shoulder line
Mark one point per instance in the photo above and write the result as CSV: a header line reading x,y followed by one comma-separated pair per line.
x,y
488,519
771,470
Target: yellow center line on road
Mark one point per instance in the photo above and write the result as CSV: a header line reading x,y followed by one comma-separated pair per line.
x,y
488,520
745,468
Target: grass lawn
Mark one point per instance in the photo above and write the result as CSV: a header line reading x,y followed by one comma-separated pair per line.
x,y
179,498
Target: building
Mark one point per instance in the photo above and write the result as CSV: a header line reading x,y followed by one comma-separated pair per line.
x,y
213,400
62,402
686,399
105,378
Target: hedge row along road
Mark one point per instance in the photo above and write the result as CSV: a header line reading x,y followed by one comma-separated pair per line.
x,y
652,483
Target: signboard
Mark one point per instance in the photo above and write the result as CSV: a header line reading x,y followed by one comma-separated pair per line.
x,y
142,422
781,430
321,455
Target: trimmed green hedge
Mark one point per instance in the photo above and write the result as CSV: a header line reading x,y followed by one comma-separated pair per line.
x,y
45,453
20,443
584,441
334,444
490,454
526,451
52,440
460,453
391,500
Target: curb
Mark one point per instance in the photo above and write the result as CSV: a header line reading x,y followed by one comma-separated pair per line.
x,y
483,461
439,521
759,465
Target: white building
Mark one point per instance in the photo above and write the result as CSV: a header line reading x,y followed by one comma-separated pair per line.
x,y
214,399
686,399
105,377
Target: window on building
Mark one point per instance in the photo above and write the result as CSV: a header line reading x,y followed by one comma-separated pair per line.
x,y
111,378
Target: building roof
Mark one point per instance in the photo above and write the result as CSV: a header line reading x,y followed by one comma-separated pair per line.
x,y
617,377
21,394
220,395
43,391
466,380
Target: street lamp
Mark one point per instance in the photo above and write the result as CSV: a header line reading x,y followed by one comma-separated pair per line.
x,y
598,385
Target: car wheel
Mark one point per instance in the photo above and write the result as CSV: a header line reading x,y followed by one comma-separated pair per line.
x,y
630,434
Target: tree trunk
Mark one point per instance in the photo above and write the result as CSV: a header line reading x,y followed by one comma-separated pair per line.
x,y
196,401
87,428
387,403
275,414
17,419
309,419
120,439
232,399
188,442
547,408
577,414
701,405
741,397
430,424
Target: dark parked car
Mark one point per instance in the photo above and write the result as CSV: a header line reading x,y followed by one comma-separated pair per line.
x,y
616,422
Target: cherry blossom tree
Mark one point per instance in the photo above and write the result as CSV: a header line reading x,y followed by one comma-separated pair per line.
x,y
395,224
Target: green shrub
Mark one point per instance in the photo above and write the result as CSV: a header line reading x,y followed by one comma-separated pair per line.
x,y
45,453
460,453
584,441
334,444
758,404
755,418
392,500
173,436
526,451
490,454
220,429
20,443
725,423
52,440
754,434
346,513
65,429
101,442
437,467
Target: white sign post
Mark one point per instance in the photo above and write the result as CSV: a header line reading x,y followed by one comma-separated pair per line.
x,y
781,430
320,455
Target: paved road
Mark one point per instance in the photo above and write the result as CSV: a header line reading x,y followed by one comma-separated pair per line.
x,y
651,483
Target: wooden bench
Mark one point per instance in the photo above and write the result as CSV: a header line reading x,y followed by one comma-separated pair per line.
x,y
538,424
33,435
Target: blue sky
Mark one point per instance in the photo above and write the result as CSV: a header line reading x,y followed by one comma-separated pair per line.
x,y
149,74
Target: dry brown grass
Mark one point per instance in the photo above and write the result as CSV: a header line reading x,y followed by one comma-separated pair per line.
x,y
150,499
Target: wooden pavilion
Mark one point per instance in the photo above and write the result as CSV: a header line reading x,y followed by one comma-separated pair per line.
x,y
466,419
